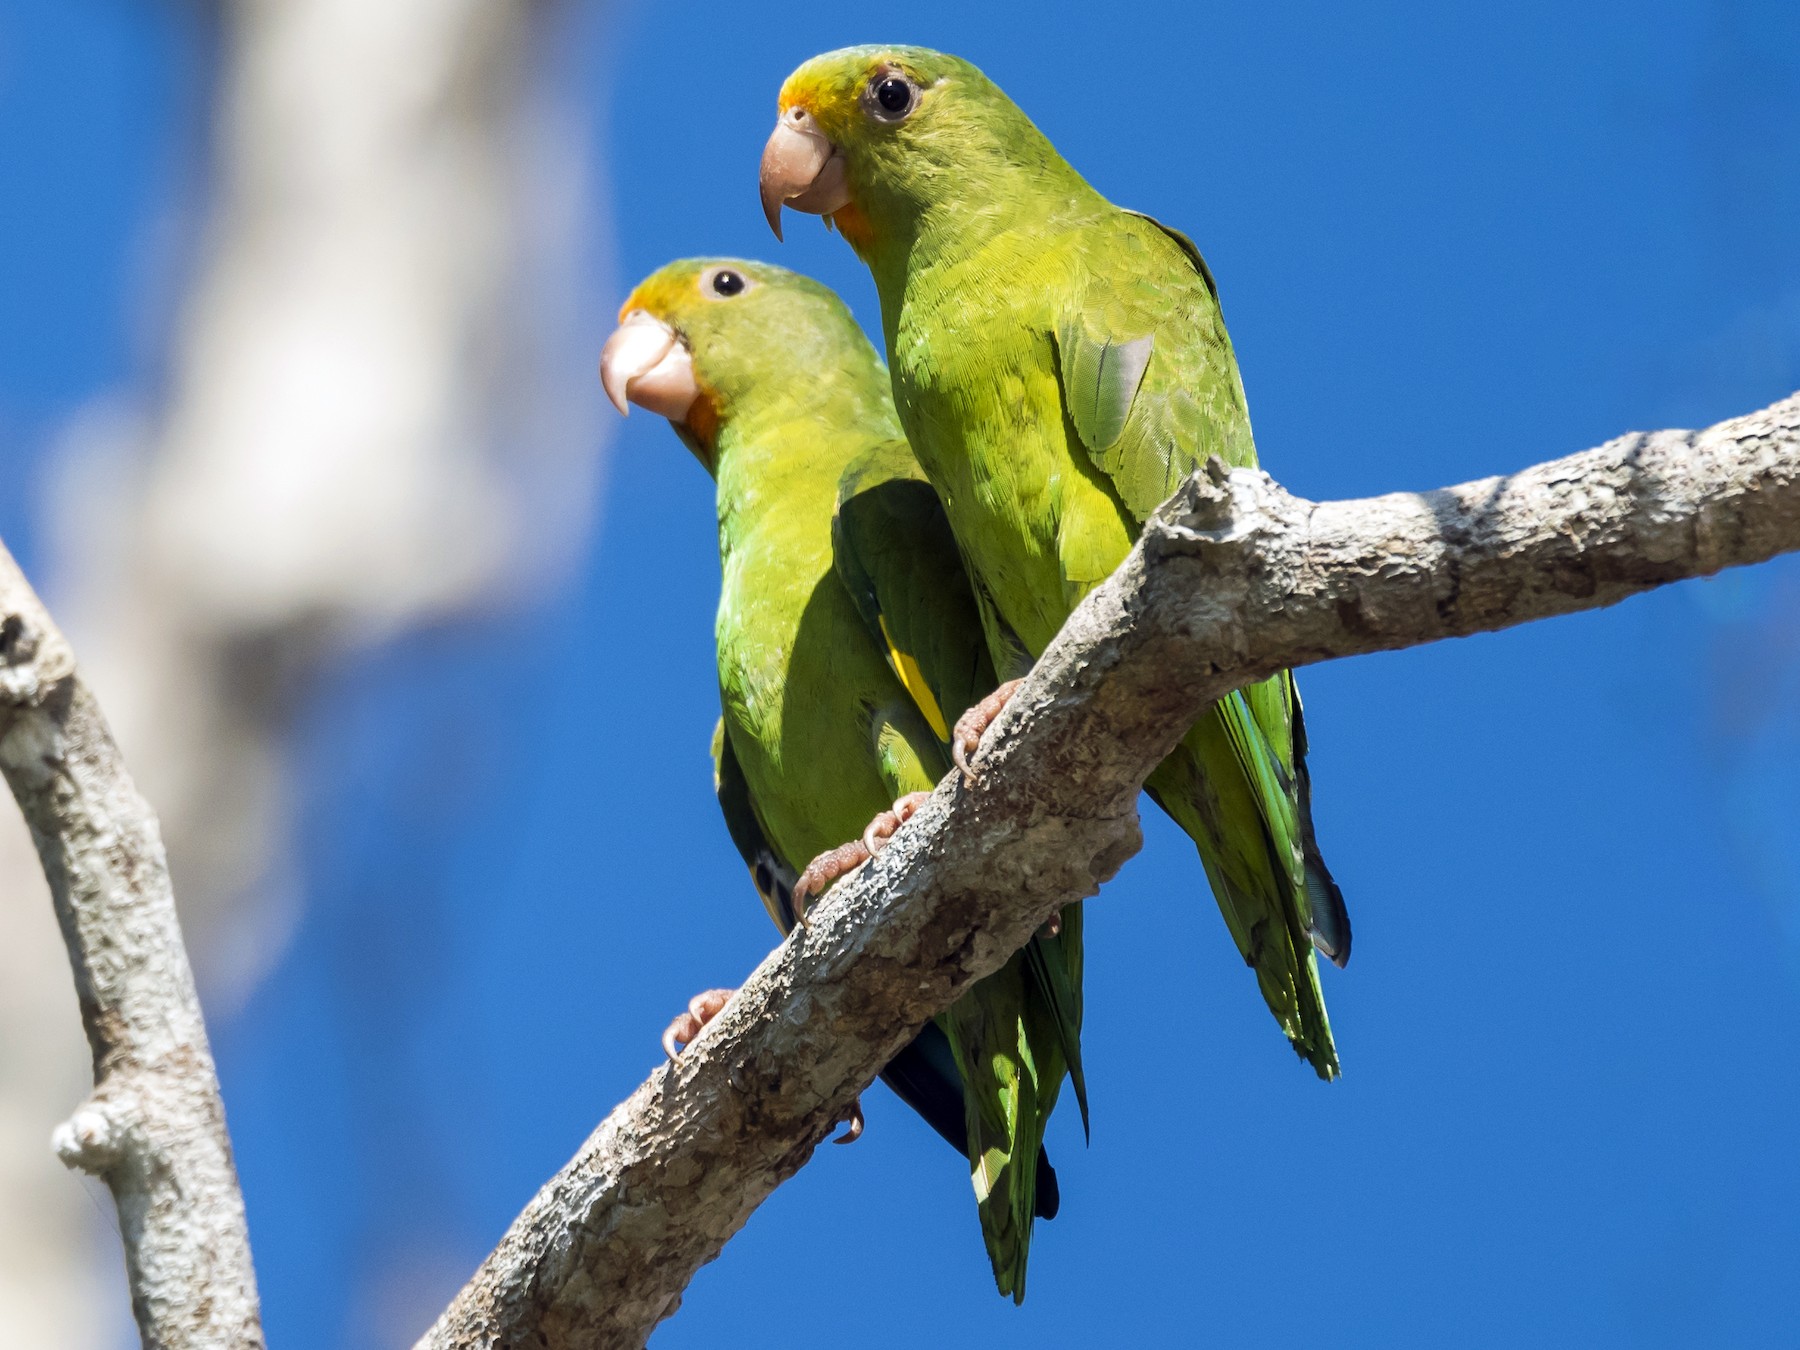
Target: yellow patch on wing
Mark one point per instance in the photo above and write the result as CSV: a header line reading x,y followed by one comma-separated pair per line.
x,y
914,680
986,1174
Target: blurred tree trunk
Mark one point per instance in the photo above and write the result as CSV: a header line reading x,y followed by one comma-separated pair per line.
x,y
376,410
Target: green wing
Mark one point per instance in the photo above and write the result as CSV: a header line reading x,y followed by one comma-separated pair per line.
x,y
1149,379
1100,378
1151,387
895,554
894,551
772,877
1017,1032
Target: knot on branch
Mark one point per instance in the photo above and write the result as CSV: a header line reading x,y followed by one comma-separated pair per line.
x,y
18,653
31,743
17,643
1216,507
93,1139
34,659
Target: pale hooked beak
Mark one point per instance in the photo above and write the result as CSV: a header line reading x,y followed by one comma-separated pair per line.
x,y
801,169
644,363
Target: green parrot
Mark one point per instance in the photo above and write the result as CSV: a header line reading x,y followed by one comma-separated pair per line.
x,y
1060,365
847,641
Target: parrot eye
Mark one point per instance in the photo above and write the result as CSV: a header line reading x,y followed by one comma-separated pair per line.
x,y
726,283
893,96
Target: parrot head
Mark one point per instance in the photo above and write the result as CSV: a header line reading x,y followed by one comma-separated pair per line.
x,y
874,137
706,342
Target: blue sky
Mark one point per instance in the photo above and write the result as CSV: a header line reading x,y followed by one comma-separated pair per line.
x,y
1450,242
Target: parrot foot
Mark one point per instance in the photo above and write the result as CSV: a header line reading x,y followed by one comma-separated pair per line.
x,y
702,1008
854,1123
965,740
838,863
881,829
828,867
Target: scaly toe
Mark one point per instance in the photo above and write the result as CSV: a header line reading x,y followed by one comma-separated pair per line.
x,y
908,806
702,1008
830,866
882,829
962,746
965,739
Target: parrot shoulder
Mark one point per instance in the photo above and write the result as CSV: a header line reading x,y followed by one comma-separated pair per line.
x,y
1149,380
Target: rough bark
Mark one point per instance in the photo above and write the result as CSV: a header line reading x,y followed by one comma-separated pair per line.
x,y
154,1128
1233,579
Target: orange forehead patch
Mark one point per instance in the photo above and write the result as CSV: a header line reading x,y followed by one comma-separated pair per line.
x,y
661,293
826,84
805,87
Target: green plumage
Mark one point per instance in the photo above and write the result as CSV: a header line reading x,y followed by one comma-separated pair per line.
x,y
1060,364
847,636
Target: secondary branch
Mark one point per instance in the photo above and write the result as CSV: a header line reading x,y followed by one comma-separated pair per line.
x,y
154,1128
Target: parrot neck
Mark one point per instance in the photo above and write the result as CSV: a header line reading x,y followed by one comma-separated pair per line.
x,y
990,197
779,471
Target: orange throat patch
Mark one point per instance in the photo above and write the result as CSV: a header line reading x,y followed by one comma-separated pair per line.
x,y
702,423
855,227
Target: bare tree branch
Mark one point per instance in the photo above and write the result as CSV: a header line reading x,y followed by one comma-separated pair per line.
x,y
154,1127
1233,579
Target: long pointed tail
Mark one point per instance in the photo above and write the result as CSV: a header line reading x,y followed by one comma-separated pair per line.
x,y
1330,917
1236,784
924,1076
1012,1036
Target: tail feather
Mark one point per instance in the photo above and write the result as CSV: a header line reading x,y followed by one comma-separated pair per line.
x,y
1230,787
1325,902
925,1077
1055,967
1329,917
1008,1040
1330,928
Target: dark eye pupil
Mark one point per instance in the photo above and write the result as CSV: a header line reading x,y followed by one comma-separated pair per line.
x,y
727,283
894,94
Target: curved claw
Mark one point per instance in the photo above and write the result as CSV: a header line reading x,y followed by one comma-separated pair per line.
x,y
855,1123
881,829
702,1008
830,866
965,740
961,747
